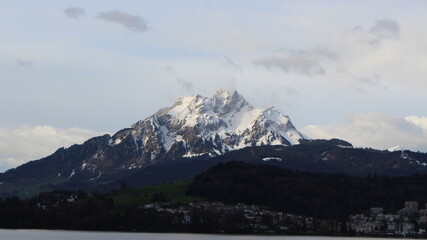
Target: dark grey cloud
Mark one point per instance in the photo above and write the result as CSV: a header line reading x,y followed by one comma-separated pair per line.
x,y
24,63
306,62
131,22
74,12
186,85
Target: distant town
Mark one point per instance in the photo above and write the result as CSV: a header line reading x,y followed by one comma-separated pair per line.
x,y
89,211
408,221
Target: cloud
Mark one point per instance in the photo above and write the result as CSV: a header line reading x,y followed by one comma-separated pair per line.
x,y
299,64
385,28
20,145
361,84
24,63
306,62
131,22
418,121
74,12
188,86
230,63
375,130
169,69
290,91
381,30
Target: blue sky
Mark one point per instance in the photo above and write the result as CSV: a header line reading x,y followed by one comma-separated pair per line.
x,y
70,70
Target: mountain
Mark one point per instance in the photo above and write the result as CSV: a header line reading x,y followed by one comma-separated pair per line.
x,y
193,126
192,135
198,125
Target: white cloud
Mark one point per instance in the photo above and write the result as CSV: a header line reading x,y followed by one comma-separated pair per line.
x,y
20,145
132,22
375,130
419,121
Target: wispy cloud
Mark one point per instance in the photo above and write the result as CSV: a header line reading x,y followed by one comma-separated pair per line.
x,y
24,63
306,62
186,85
131,22
230,63
362,84
290,91
381,30
74,12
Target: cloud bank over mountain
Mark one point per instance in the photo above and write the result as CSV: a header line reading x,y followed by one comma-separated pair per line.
x,y
376,131
20,145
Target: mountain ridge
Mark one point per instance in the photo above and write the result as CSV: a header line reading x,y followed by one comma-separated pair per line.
x,y
194,126
193,134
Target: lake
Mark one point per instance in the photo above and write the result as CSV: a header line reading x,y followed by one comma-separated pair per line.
x,y
81,235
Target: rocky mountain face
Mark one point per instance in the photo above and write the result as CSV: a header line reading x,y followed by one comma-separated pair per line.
x,y
194,126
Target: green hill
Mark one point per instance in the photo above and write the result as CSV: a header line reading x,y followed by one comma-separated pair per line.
x,y
172,192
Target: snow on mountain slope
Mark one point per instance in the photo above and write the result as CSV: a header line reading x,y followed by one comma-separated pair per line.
x,y
199,125
396,148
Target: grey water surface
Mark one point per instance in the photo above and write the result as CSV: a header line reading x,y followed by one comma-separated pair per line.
x,y
81,235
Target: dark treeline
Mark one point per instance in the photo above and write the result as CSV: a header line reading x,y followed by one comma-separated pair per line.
x,y
91,211
311,194
322,196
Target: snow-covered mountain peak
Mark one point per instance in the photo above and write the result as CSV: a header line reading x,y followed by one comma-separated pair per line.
x,y
224,102
222,97
221,104
397,148
223,93
198,125
273,114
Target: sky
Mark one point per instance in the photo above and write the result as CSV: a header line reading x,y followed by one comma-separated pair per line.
x,y
71,70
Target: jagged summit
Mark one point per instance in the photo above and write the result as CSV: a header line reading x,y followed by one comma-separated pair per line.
x,y
220,104
198,125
